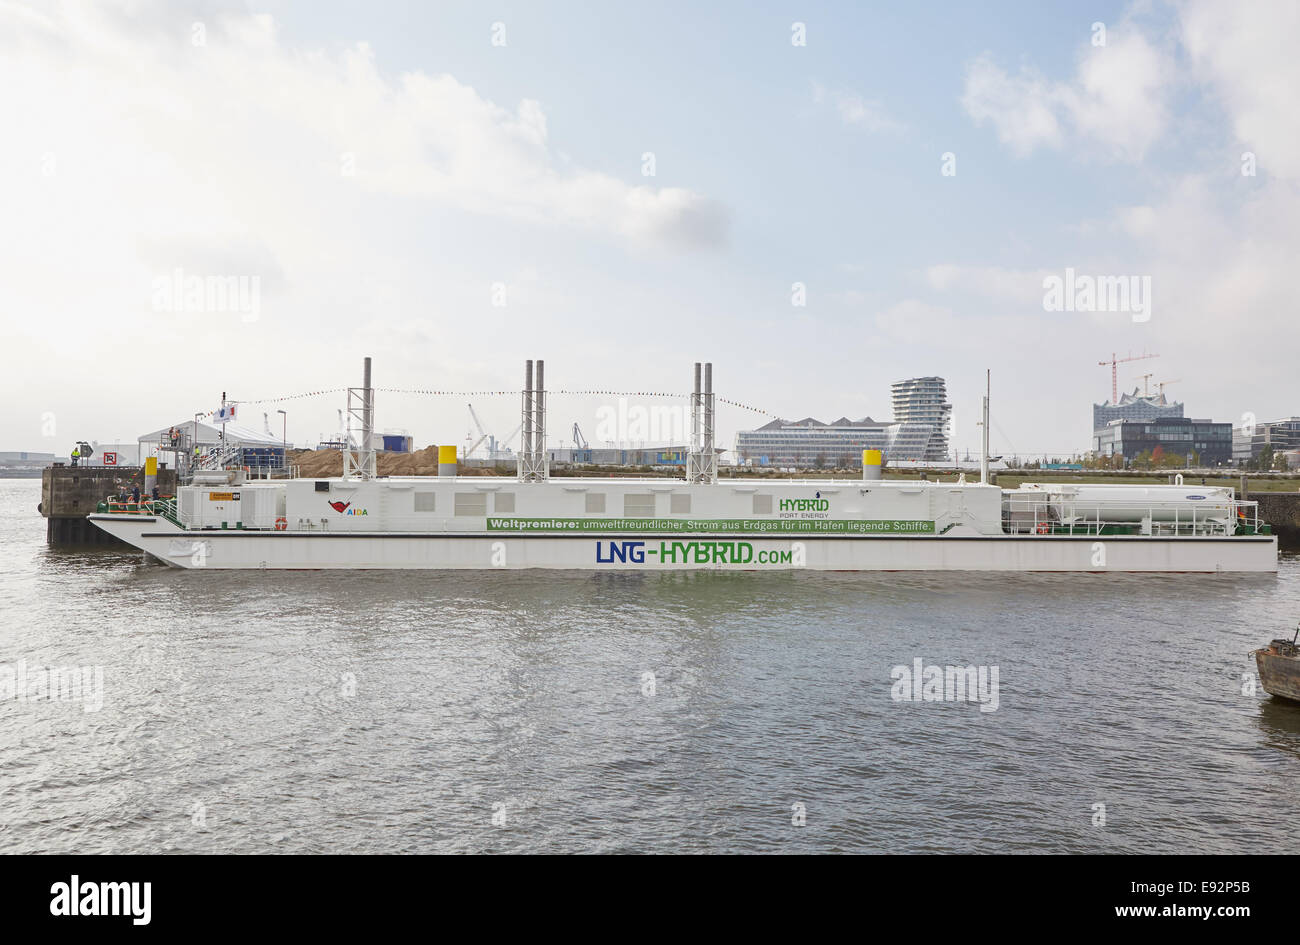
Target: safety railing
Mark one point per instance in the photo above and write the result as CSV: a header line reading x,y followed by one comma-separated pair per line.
x,y
1047,514
163,506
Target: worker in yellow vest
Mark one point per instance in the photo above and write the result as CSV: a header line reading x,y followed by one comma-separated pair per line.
x,y
76,455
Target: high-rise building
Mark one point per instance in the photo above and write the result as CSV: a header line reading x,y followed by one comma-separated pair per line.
x,y
810,443
924,400
1134,406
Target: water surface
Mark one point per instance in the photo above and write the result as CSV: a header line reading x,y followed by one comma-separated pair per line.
x,y
399,712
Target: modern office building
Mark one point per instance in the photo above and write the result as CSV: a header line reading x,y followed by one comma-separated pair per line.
x,y
1248,442
809,443
1134,406
924,400
1180,436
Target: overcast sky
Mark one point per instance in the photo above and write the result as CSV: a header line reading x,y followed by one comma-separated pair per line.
x,y
623,189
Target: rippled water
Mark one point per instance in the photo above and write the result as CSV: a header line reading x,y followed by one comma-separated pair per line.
x,y
229,721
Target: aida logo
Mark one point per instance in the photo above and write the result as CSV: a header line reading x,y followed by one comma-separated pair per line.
x,y
344,508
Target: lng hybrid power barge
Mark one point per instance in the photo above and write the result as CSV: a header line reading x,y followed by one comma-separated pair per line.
x,y
223,519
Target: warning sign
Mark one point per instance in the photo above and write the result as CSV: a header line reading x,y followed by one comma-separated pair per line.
x,y
110,459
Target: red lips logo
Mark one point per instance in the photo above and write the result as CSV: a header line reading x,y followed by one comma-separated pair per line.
x,y
339,506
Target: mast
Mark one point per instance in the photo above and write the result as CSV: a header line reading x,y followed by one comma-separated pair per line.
x,y
984,444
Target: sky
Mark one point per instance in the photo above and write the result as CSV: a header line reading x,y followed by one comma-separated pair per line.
x,y
818,198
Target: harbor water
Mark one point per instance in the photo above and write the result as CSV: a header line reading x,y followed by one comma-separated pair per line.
x,y
385,712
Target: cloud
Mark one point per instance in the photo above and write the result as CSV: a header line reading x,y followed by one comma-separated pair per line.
x,y
1022,108
159,98
913,321
857,111
1116,101
1020,286
1245,56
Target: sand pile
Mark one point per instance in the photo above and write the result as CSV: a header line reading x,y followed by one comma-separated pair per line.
x,y
322,463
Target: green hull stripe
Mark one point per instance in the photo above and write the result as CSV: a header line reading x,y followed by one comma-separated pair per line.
x,y
734,525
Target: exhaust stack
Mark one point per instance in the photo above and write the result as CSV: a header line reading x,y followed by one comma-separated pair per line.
x,y
533,466
702,461
359,457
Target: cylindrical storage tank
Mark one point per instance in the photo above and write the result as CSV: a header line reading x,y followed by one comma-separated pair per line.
x,y
446,460
872,460
1124,503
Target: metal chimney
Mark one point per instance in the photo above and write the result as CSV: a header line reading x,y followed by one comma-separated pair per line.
x,y
368,410
539,412
532,456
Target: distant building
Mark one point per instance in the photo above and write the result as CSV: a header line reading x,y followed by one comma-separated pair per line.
x,y
810,443
924,400
1179,436
1134,406
1248,442
620,456
21,458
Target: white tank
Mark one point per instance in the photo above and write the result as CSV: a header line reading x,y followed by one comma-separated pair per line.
x,y
1125,503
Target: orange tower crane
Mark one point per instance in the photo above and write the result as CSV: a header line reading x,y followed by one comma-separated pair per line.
x,y
1114,363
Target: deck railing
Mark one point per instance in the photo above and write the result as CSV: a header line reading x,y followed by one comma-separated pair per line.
x,y
1047,514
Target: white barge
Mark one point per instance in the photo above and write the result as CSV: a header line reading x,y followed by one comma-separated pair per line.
x,y
224,520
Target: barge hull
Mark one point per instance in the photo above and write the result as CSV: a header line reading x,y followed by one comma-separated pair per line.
x,y
297,550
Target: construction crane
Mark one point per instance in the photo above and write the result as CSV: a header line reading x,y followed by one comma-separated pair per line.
x,y
579,441
1144,378
1114,363
494,445
1161,384
482,435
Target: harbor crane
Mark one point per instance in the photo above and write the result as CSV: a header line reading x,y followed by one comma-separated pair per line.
x,y
482,435
579,441
494,445
1114,363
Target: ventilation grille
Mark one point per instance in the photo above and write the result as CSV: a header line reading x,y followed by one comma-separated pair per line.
x,y
426,501
639,506
762,505
595,503
681,504
471,503
504,503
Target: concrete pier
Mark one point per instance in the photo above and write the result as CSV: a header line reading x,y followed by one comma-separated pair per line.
x,y
1282,511
70,493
